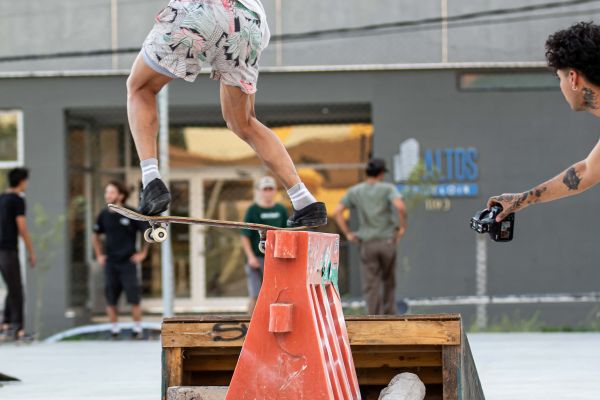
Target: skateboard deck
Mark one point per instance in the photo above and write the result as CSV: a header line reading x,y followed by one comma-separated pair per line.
x,y
158,233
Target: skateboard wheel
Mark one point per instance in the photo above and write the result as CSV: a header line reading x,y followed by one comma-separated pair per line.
x,y
159,235
148,235
261,246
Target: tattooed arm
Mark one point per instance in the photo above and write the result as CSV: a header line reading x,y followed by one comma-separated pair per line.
x,y
576,179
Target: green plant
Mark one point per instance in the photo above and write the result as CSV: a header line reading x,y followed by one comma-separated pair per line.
x,y
419,185
46,238
514,323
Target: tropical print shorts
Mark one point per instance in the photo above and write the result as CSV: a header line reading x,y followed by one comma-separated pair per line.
x,y
191,33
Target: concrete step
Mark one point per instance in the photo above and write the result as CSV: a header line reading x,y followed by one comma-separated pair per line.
x,y
196,392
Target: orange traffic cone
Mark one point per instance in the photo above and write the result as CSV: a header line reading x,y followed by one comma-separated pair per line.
x,y
297,346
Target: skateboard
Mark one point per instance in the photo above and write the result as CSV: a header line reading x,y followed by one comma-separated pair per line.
x,y
157,232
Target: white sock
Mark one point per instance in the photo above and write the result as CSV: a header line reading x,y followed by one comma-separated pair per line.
x,y
137,327
300,196
115,328
149,171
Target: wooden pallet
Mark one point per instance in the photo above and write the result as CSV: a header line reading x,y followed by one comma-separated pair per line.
x,y
203,351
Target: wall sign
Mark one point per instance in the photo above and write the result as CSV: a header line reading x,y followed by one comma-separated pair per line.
x,y
443,172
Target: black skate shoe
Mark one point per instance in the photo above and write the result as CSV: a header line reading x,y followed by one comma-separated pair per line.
x,y
155,198
314,214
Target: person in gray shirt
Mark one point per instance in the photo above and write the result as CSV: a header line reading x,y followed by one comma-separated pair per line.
x,y
382,223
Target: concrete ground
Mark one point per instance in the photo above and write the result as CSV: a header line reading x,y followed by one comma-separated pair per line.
x,y
123,370
511,366
544,366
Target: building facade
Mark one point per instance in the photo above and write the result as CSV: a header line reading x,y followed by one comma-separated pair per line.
x,y
466,98
304,33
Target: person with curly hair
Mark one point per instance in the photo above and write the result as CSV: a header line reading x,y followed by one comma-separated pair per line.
x,y
574,54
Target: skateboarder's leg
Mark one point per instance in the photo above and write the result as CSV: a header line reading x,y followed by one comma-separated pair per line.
x,y
239,114
238,111
143,85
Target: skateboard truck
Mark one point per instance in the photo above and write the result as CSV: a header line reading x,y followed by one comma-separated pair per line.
x,y
262,244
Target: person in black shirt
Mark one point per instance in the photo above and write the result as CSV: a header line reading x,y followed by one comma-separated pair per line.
x,y
13,225
119,256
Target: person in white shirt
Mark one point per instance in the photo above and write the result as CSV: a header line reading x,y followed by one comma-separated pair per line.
x,y
230,36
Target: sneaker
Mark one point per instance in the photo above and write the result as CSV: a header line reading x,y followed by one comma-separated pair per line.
x,y
155,198
314,214
136,335
22,337
114,335
6,335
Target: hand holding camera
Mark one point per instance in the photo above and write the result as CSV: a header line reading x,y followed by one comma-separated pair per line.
x,y
484,221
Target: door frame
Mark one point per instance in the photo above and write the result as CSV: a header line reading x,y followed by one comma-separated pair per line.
x,y
198,301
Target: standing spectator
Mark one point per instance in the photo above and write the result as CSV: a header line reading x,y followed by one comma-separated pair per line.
x,y
12,225
264,211
382,223
119,257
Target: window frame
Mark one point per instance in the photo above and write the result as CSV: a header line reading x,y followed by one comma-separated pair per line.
x,y
20,161
464,88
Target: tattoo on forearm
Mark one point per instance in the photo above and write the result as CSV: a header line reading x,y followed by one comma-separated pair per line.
x,y
571,180
589,99
515,200
535,194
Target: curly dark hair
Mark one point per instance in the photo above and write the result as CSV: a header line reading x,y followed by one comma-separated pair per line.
x,y
577,47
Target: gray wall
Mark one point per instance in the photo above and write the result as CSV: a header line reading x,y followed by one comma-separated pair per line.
x,y
45,155
41,27
523,137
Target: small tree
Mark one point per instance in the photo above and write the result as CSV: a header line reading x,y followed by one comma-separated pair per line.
x,y
47,239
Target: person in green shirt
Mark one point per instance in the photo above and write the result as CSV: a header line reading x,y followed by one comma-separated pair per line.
x,y
382,223
264,211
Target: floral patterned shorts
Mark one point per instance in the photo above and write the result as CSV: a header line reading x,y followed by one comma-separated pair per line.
x,y
222,33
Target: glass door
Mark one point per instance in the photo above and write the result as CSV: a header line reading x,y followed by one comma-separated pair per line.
x,y
208,262
226,194
225,199
180,241
181,187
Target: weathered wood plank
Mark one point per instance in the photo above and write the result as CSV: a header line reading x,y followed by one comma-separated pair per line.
x,y
208,334
404,332
360,332
390,348
397,360
245,318
471,386
174,365
383,376
193,362
451,360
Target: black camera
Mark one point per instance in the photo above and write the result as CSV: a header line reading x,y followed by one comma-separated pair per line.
x,y
484,221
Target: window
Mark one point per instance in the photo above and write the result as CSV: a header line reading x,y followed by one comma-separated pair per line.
x,y
11,139
487,81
